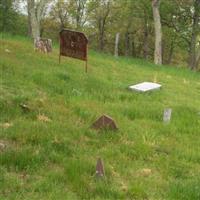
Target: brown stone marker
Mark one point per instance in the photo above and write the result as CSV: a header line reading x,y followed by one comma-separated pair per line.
x,y
100,168
105,122
73,44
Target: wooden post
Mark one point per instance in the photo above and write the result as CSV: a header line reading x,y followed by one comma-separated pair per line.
x,y
116,45
86,66
86,62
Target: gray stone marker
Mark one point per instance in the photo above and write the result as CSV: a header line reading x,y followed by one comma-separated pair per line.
x,y
100,168
167,115
145,87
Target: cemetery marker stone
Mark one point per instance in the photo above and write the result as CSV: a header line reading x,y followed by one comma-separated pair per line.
x,y
167,115
100,168
145,87
73,44
43,45
104,122
25,107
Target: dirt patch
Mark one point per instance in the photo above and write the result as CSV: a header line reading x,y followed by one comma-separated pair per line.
x,y
145,172
43,118
6,125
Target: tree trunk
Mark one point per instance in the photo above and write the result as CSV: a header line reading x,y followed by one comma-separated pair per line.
x,y
78,17
145,40
133,48
158,32
198,59
101,34
171,50
117,45
127,44
29,26
101,41
35,26
145,43
101,21
193,60
35,11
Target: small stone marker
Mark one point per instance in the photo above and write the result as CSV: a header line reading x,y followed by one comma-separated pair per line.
x,y
145,87
24,107
105,122
167,115
2,146
100,168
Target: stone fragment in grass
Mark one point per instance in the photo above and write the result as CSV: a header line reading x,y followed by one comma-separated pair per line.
x,y
7,51
167,115
2,146
186,81
76,92
145,87
25,107
43,118
105,122
100,168
6,125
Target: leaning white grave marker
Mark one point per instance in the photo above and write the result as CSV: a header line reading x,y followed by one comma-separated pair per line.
x,y
167,115
145,86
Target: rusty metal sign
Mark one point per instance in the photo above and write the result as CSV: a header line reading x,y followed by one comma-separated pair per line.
x,y
73,44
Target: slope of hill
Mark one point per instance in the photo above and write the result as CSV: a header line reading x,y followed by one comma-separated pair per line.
x,y
49,151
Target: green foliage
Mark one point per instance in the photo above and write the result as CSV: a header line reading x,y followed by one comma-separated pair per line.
x,y
10,20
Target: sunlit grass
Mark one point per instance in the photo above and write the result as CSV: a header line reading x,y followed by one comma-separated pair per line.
x,y
55,159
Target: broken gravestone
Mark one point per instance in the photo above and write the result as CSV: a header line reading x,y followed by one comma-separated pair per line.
x,y
100,168
145,87
104,122
43,45
167,115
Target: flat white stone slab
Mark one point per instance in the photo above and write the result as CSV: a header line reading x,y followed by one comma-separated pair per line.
x,y
145,87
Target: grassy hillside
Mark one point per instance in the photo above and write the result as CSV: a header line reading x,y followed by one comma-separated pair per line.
x,y
50,151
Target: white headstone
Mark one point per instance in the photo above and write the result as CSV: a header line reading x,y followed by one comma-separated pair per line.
x,y
167,115
145,87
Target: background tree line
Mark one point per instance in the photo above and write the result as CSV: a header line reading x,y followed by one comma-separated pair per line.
x,y
166,31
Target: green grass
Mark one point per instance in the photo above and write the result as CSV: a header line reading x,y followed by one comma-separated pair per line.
x,y
56,159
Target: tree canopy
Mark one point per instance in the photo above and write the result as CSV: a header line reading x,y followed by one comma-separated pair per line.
x,y
135,22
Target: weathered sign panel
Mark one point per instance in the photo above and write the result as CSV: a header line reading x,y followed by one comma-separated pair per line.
x,y
73,44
